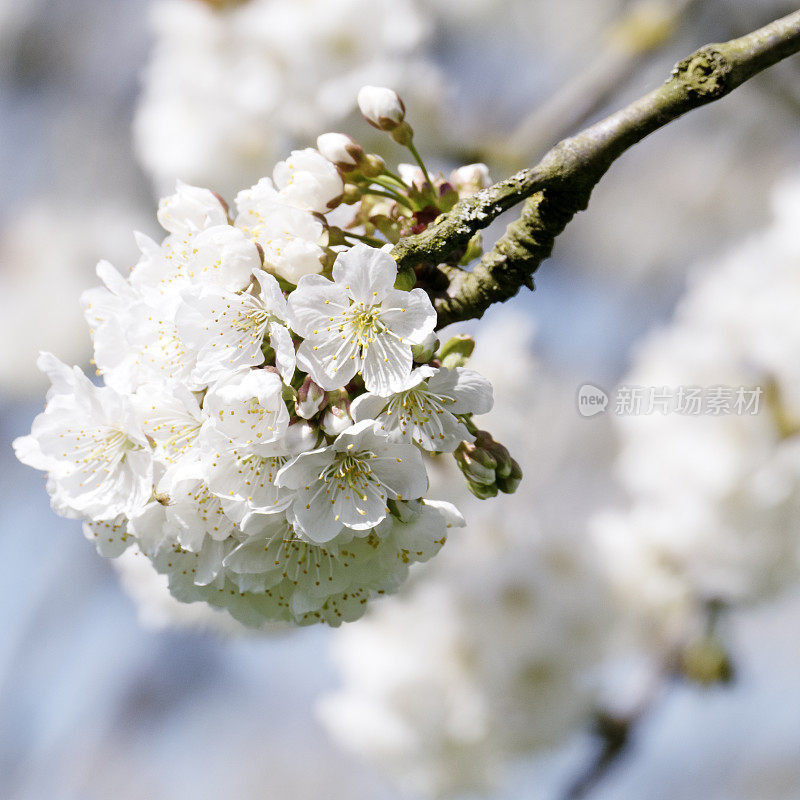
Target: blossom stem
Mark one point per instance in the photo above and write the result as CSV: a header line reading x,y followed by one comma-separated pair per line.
x,y
418,158
392,196
400,182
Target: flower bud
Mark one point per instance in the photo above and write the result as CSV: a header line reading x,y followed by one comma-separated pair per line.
x,y
310,399
337,418
423,353
487,466
470,178
477,465
456,351
381,107
508,484
341,150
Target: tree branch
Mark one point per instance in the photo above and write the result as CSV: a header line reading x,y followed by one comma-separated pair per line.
x,y
561,183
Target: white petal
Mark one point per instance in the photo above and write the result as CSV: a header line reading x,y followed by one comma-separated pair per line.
x,y
367,406
332,363
387,365
281,342
403,471
314,514
315,305
366,272
410,315
472,392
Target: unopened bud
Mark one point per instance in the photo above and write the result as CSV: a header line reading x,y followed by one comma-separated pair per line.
x,y
341,150
508,484
310,399
423,353
477,465
470,178
381,107
456,351
337,418
487,465
483,491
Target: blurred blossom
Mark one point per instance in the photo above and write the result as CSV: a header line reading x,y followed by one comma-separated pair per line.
x,y
226,90
495,651
715,498
47,258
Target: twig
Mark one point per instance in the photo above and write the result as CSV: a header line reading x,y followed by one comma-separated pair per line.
x,y
561,183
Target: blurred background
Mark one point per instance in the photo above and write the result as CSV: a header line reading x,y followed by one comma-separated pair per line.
x,y
635,603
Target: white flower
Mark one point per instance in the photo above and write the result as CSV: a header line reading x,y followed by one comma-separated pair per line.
x,y
221,255
228,330
358,323
173,420
190,210
425,410
243,480
141,345
194,513
381,107
349,483
87,439
247,408
307,180
289,237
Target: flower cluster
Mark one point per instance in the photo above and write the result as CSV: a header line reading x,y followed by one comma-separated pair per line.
x,y
270,397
